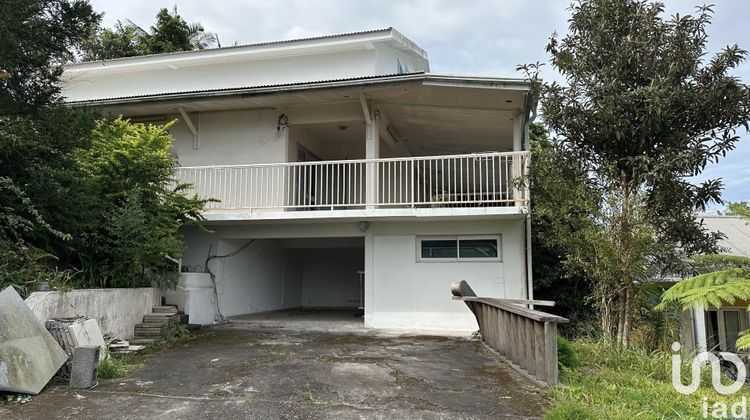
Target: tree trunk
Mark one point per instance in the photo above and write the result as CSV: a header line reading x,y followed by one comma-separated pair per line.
x,y
621,315
628,316
606,319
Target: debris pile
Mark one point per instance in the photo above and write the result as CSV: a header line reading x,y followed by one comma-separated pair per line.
x,y
161,323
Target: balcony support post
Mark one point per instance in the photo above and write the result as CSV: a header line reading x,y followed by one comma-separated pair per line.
x,y
517,168
372,151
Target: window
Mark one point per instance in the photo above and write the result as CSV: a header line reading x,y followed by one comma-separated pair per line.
x,y
459,248
723,327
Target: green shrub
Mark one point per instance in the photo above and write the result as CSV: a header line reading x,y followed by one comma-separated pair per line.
x,y
566,357
113,367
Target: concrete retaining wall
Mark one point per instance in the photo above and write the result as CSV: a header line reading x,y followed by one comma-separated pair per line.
x,y
116,310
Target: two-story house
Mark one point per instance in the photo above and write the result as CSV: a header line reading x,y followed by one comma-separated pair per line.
x,y
347,174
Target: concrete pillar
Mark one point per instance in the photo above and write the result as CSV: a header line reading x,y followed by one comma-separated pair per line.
x,y
699,327
518,129
372,151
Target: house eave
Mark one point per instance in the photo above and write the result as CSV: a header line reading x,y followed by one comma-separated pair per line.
x,y
516,84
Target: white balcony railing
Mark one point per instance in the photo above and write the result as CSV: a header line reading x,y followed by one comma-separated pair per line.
x,y
470,180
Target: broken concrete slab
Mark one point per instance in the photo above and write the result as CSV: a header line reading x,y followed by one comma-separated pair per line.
x,y
85,367
87,333
29,356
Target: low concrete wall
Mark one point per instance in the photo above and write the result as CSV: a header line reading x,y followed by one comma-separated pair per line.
x,y
116,310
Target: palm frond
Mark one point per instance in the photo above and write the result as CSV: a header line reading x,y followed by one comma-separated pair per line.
x,y
200,38
137,29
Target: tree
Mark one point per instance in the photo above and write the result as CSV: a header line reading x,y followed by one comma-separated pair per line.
x,y
559,191
37,136
740,208
139,206
36,39
170,33
642,112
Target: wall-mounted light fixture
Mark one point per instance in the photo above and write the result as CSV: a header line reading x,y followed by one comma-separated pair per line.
x,y
283,122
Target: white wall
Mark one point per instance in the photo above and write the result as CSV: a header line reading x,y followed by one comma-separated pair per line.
x,y
404,293
230,138
400,292
116,310
329,277
98,83
263,277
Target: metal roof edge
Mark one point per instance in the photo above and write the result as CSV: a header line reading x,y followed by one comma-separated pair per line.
x,y
209,52
426,78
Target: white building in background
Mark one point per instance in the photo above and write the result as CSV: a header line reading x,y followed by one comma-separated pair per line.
x,y
348,175
717,329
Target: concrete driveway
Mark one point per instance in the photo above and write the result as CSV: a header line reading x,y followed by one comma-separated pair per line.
x,y
241,371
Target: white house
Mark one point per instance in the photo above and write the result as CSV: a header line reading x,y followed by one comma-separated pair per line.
x,y
348,175
717,329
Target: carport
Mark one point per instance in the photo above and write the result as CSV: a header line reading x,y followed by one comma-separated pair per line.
x,y
306,280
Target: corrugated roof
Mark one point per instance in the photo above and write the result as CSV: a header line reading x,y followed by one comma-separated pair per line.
x,y
415,76
256,44
736,230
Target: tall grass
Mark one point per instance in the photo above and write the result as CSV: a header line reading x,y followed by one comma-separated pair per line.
x,y
631,383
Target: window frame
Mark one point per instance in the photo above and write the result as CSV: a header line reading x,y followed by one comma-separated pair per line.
x,y
721,325
498,238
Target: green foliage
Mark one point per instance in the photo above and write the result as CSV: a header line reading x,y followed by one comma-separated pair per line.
x,y
139,205
566,356
701,264
170,33
616,383
112,367
560,196
654,329
640,113
725,281
25,268
120,41
36,38
714,289
740,208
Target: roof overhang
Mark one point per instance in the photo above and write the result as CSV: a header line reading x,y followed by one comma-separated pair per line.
x,y
491,83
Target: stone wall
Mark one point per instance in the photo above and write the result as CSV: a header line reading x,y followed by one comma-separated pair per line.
x,y
116,310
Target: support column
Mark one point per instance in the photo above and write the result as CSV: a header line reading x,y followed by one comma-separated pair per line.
x,y
372,151
517,168
699,327
518,128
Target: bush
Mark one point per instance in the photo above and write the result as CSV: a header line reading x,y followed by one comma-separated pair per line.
x,y
112,367
566,357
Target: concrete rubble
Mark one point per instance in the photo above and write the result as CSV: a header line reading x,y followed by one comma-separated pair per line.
x,y
29,355
85,367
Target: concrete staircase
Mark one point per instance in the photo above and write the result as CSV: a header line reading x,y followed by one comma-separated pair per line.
x,y
162,322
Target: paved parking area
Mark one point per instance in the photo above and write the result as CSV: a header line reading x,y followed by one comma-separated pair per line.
x,y
242,371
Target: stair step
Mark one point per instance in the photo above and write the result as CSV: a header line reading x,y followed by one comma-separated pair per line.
x,y
164,310
142,341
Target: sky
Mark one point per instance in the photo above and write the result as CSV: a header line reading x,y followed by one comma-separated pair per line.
x,y
482,37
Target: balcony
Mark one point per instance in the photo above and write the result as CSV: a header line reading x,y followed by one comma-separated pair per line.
x,y
486,180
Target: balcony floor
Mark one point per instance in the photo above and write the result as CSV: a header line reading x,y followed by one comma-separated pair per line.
x,y
359,214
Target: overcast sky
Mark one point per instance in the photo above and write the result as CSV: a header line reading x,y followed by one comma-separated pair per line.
x,y
473,38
